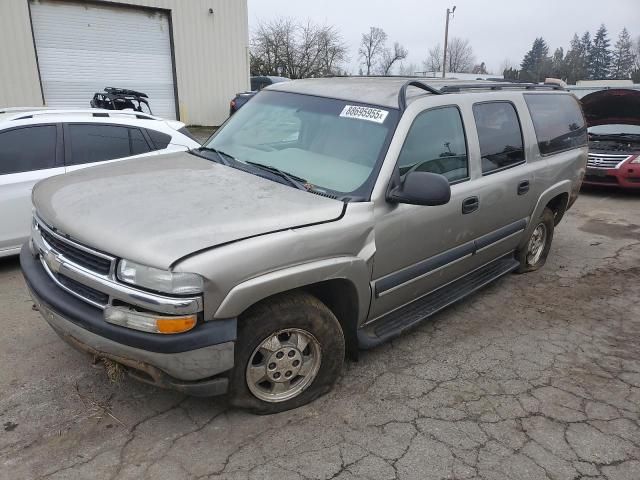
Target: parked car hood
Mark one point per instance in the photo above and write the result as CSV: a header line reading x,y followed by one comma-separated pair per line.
x,y
156,210
614,106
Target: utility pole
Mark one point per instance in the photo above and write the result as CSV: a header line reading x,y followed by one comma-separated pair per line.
x,y
446,41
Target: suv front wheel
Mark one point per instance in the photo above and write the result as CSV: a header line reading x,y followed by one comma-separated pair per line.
x,y
289,351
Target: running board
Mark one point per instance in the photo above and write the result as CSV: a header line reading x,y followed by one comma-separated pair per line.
x,y
398,321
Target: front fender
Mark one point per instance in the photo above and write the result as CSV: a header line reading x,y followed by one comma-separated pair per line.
x,y
353,269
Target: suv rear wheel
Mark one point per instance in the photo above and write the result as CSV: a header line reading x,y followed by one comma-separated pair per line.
x,y
534,254
289,351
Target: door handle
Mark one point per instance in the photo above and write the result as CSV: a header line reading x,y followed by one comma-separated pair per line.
x,y
523,187
470,204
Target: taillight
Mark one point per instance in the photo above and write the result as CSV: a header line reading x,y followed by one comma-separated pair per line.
x,y
233,104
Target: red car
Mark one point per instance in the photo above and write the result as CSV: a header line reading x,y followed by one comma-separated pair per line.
x,y
613,116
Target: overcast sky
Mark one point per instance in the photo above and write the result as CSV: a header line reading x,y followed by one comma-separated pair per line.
x,y
497,29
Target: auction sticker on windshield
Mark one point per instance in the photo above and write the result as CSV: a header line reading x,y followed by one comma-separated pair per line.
x,y
364,113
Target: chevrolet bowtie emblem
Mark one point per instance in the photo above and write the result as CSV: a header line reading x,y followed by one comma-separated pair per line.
x,y
52,261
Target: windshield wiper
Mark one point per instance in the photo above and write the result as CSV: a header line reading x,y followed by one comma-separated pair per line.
x,y
299,183
223,157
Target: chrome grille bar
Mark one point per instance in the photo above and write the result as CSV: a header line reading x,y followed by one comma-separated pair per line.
x,y
597,160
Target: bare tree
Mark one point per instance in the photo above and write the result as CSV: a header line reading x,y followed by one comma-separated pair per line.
x,y
286,47
408,70
460,56
433,63
333,50
391,56
507,64
372,47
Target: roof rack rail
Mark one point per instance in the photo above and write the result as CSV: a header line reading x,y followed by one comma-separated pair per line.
x,y
402,96
88,111
499,86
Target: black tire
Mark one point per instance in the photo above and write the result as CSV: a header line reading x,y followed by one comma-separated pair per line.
x,y
522,255
294,310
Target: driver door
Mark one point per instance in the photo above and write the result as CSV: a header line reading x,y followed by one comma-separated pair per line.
x,y
420,248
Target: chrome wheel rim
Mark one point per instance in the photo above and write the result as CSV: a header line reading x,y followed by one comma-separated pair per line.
x,y
537,242
283,365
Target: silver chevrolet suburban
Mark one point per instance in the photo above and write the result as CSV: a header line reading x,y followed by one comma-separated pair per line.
x,y
326,216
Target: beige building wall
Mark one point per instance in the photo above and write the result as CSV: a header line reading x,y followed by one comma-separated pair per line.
x,y
211,55
19,80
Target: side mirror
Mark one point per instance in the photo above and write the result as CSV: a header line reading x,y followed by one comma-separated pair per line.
x,y
422,188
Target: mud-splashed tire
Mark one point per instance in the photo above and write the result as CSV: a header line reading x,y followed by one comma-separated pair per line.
x,y
534,253
291,336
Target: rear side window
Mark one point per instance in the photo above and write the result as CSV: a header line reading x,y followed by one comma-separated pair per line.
x,y
500,135
90,143
188,134
27,149
161,140
558,122
436,143
138,143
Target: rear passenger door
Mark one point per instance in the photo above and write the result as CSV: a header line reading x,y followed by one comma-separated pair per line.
x,y
505,189
89,144
28,154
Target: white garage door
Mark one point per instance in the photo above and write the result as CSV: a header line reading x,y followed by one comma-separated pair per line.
x,y
83,48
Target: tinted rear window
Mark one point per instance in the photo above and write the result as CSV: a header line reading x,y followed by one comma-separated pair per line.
x,y
558,122
138,144
499,134
161,140
91,143
27,149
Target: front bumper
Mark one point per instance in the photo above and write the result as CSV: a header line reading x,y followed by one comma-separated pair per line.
x,y
190,362
627,176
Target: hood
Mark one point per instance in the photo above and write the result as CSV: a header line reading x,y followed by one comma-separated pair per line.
x,y
155,210
613,106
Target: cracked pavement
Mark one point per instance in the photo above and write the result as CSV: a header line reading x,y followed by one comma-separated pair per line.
x,y
535,377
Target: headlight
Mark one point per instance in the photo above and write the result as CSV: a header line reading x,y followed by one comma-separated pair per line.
x,y
636,160
177,283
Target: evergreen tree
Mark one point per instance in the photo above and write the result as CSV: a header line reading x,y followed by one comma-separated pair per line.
x,y
576,61
600,55
558,64
623,57
536,63
586,45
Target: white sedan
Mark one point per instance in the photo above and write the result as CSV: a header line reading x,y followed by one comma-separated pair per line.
x,y
38,143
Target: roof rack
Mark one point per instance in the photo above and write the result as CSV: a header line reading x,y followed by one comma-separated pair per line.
x,y
499,86
402,96
25,114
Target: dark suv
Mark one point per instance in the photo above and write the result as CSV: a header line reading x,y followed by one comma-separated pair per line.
x,y
257,84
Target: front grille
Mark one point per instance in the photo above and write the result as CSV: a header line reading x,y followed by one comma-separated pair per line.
x,y
73,253
605,161
84,291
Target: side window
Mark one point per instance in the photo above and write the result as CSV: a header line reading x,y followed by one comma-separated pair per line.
x,y
558,122
436,143
27,149
500,135
161,140
96,143
138,144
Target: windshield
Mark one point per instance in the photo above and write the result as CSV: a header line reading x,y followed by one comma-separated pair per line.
x,y
332,145
615,130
